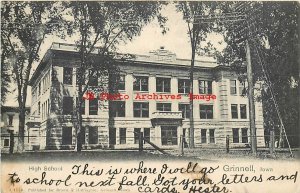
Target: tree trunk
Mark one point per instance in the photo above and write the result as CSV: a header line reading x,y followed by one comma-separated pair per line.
x,y
79,135
191,133
79,132
21,130
281,139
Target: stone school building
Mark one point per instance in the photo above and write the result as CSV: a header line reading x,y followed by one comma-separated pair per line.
x,y
163,120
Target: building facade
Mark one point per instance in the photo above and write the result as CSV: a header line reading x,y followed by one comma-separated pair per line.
x,y
10,129
153,98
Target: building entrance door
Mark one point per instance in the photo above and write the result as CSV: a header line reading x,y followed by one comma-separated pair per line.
x,y
67,136
169,135
112,136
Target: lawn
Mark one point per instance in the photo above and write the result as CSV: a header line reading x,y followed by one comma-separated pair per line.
x,y
128,155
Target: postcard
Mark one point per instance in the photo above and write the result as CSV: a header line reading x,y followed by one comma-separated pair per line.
x,y
150,96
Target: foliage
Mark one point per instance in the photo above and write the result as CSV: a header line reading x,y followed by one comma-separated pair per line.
x,y
24,26
5,76
273,34
193,11
100,27
197,29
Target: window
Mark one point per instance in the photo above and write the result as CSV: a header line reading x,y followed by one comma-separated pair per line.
x,y
122,135
10,120
93,78
82,106
117,108
203,135
68,105
140,83
232,87
140,109
93,107
234,111
42,111
244,135
45,109
184,134
49,106
168,135
136,135
242,88
34,95
185,109
206,112
39,108
39,89
183,86
93,135
54,75
117,82
66,135
147,134
211,136
43,84
82,137
78,74
163,106
6,143
68,75
205,87
243,111
235,132
121,82
163,85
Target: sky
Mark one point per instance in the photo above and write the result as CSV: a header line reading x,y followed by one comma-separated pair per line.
x,y
175,40
151,38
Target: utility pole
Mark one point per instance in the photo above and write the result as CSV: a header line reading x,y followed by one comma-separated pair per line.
x,y
251,100
233,17
272,141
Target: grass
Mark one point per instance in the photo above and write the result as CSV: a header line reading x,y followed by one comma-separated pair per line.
x,y
86,155
128,155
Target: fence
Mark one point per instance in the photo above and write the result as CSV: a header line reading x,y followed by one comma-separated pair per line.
x,y
140,142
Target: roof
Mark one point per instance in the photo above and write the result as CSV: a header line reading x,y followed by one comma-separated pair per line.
x,y
156,56
41,66
160,56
